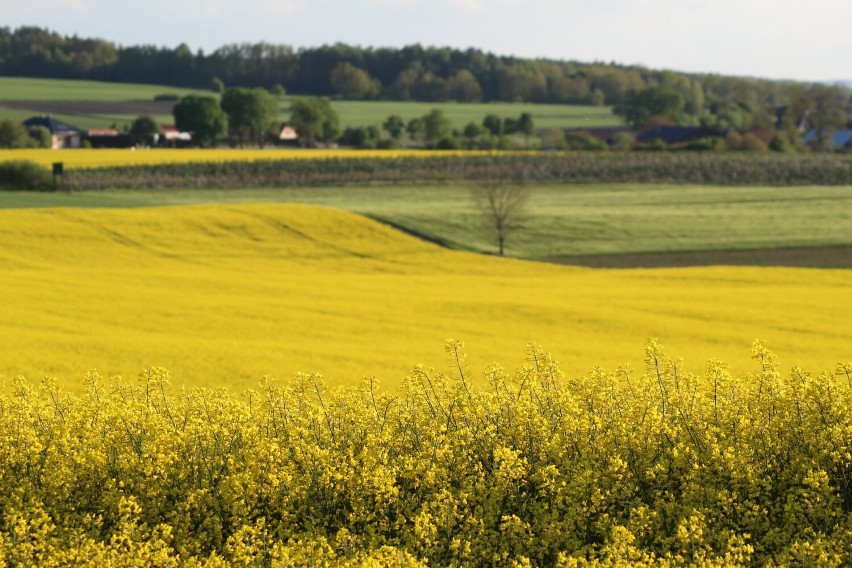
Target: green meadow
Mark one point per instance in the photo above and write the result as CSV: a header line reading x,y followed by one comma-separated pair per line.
x,y
365,113
30,89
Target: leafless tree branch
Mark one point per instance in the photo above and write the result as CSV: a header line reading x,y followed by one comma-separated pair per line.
x,y
502,208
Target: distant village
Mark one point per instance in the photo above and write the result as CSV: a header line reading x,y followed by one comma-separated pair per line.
x,y
64,135
652,136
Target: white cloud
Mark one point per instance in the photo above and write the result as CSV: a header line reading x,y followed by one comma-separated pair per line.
x,y
211,11
284,8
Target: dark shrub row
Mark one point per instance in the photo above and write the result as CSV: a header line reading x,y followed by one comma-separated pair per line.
x,y
578,167
24,175
727,169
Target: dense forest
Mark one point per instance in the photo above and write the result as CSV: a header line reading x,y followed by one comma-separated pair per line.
x,y
426,74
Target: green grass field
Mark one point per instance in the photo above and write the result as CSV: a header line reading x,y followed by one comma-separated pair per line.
x,y
365,113
29,89
62,94
51,96
561,221
84,121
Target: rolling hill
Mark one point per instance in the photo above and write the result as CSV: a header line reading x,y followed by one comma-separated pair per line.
x,y
224,294
615,225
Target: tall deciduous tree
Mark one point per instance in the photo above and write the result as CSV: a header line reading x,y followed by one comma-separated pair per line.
x,y
523,83
404,83
314,120
143,130
828,112
429,87
202,117
463,87
40,136
350,82
13,134
526,126
637,106
493,124
436,126
394,125
414,128
501,207
251,113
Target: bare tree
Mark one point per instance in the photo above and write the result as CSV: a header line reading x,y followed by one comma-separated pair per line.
x,y
502,207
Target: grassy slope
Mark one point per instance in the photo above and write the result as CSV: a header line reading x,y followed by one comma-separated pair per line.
x,y
562,220
23,89
352,113
29,89
222,295
86,122
83,121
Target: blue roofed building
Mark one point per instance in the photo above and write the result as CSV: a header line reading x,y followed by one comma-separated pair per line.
x,y
837,140
62,135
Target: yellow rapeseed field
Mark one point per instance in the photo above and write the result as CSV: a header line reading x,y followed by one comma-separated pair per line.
x,y
100,158
223,295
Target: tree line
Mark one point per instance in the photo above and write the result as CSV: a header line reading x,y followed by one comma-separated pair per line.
x,y
413,72
252,116
242,115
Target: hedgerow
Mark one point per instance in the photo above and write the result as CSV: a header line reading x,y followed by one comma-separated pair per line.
x,y
23,175
432,167
662,468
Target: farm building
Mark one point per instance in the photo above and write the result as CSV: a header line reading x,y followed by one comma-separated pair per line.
x,y
108,138
171,136
287,135
62,135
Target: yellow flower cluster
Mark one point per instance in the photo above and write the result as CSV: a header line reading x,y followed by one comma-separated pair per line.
x,y
110,157
661,468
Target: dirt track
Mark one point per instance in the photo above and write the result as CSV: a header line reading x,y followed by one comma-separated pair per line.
x,y
812,257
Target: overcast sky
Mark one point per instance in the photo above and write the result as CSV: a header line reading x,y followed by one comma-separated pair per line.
x,y
794,39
